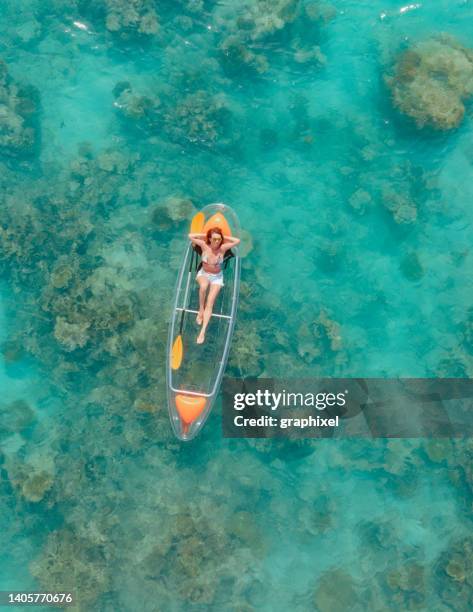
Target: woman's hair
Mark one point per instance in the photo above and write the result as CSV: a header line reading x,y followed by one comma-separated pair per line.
x,y
215,230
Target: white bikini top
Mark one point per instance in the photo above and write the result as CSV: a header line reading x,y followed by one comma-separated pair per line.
x,y
219,261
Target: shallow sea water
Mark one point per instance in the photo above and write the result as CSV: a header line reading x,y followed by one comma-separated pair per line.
x,y
358,263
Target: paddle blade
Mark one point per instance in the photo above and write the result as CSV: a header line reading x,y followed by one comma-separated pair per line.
x,y
176,353
197,224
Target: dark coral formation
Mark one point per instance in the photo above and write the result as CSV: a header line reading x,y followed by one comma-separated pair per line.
x,y
318,335
137,15
336,590
71,563
127,19
253,23
454,575
186,558
19,107
15,416
380,180
457,356
197,118
411,267
92,315
136,107
431,82
407,586
31,473
87,299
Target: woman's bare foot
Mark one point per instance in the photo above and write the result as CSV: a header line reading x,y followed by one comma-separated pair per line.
x,y
199,318
201,337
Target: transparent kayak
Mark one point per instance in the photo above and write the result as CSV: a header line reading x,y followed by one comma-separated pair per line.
x,y
194,381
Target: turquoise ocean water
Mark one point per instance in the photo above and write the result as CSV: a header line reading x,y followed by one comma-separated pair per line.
x,y
342,136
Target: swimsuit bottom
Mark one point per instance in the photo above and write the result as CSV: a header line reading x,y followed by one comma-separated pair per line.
x,y
214,279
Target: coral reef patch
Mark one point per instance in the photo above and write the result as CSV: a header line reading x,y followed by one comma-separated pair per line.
x,y
431,82
19,121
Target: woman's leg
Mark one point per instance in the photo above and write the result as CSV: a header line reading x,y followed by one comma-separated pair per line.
x,y
203,284
213,292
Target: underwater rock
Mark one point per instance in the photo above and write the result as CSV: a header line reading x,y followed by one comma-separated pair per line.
x,y
12,350
134,105
199,118
193,556
61,275
318,337
454,364
95,308
247,289
360,200
70,563
107,397
173,210
402,208
36,485
431,81
438,450
94,181
263,18
336,592
408,586
114,161
304,56
146,335
21,237
317,516
326,327
306,348
317,10
458,361
411,267
246,356
249,24
243,526
235,55
32,477
18,116
194,6
456,570
16,416
127,18
71,335
453,575
145,405
378,536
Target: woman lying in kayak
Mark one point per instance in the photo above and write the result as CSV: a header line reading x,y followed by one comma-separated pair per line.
x,y
214,246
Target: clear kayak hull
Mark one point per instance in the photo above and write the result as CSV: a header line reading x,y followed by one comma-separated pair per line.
x,y
194,380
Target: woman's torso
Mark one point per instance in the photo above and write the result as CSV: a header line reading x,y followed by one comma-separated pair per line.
x,y
212,261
